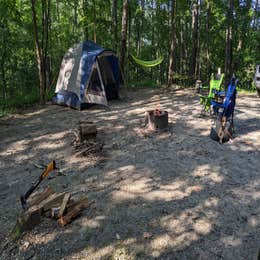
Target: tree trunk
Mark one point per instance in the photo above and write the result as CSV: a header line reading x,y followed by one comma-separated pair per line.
x,y
94,22
3,81
85,13
173,43
197,65
41,47
124,34
182,47
49,49
57,16
187,30
39,54
129,32
75,20
47,58
228,60
255,21
195,39
208,63
141,25
114,23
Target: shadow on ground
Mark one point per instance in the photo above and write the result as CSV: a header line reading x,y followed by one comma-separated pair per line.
x,y
171,195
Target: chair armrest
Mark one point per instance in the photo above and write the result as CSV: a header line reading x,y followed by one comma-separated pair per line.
x,y
217,104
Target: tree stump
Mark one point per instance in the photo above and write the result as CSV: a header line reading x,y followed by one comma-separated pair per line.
x,y
156,119
87,130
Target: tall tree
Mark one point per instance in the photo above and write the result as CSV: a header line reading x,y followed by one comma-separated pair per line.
x,y
75,19
195,39
124,34
256,14
114,23
208,26
85,15
173,42
41,44
94,21
229,51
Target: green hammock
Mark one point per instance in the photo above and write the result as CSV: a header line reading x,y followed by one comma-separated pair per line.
x,y
148,64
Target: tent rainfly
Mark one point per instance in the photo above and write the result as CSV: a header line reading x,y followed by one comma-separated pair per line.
x,y
89,74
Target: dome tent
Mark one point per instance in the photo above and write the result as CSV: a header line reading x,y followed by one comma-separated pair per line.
x,y
89,74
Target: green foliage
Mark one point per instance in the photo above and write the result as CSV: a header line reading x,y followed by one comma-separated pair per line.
x,y
20,100
149,33
9,106
143,84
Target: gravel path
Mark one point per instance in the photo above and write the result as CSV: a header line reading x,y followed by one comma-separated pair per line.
x,y
170,195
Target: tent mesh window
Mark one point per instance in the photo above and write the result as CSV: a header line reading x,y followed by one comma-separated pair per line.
x,y
95,84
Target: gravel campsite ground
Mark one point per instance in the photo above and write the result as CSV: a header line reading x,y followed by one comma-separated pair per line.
x,y
168,195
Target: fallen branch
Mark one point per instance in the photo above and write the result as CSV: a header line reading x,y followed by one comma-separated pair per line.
x,y
92,149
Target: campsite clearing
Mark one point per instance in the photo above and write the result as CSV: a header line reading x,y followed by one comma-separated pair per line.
x,y
171,195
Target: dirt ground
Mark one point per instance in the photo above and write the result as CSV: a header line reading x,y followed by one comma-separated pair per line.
x,y
170,195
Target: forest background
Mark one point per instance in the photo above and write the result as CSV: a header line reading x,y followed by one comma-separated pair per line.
x,y
195,37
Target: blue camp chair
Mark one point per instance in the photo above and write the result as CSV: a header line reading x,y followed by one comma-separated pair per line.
x,y
224,113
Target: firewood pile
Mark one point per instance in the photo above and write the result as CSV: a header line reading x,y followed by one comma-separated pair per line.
x,y
85,142
62,207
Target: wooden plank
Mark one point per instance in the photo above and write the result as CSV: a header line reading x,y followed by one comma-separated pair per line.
x,y
39,197
64,203
74,212
54,200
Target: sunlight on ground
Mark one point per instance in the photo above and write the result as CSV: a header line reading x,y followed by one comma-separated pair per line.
x,y
153,193
207,173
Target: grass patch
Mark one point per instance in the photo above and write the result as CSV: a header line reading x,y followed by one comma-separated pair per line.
x,y
10,105
246,91
6,112
143,84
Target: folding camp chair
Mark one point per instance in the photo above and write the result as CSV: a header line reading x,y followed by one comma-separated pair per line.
x,y
215,86
224,113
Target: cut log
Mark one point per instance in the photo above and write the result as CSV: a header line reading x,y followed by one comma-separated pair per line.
x,y
73,212
26,221
156,120
39,197
64,203
87,130
52,201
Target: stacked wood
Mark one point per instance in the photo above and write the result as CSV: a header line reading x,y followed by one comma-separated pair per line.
x,y
54,200
85,142
40,196
48,204
64,204
73,212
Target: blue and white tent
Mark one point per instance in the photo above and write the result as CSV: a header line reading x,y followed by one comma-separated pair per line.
x,y
89,74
